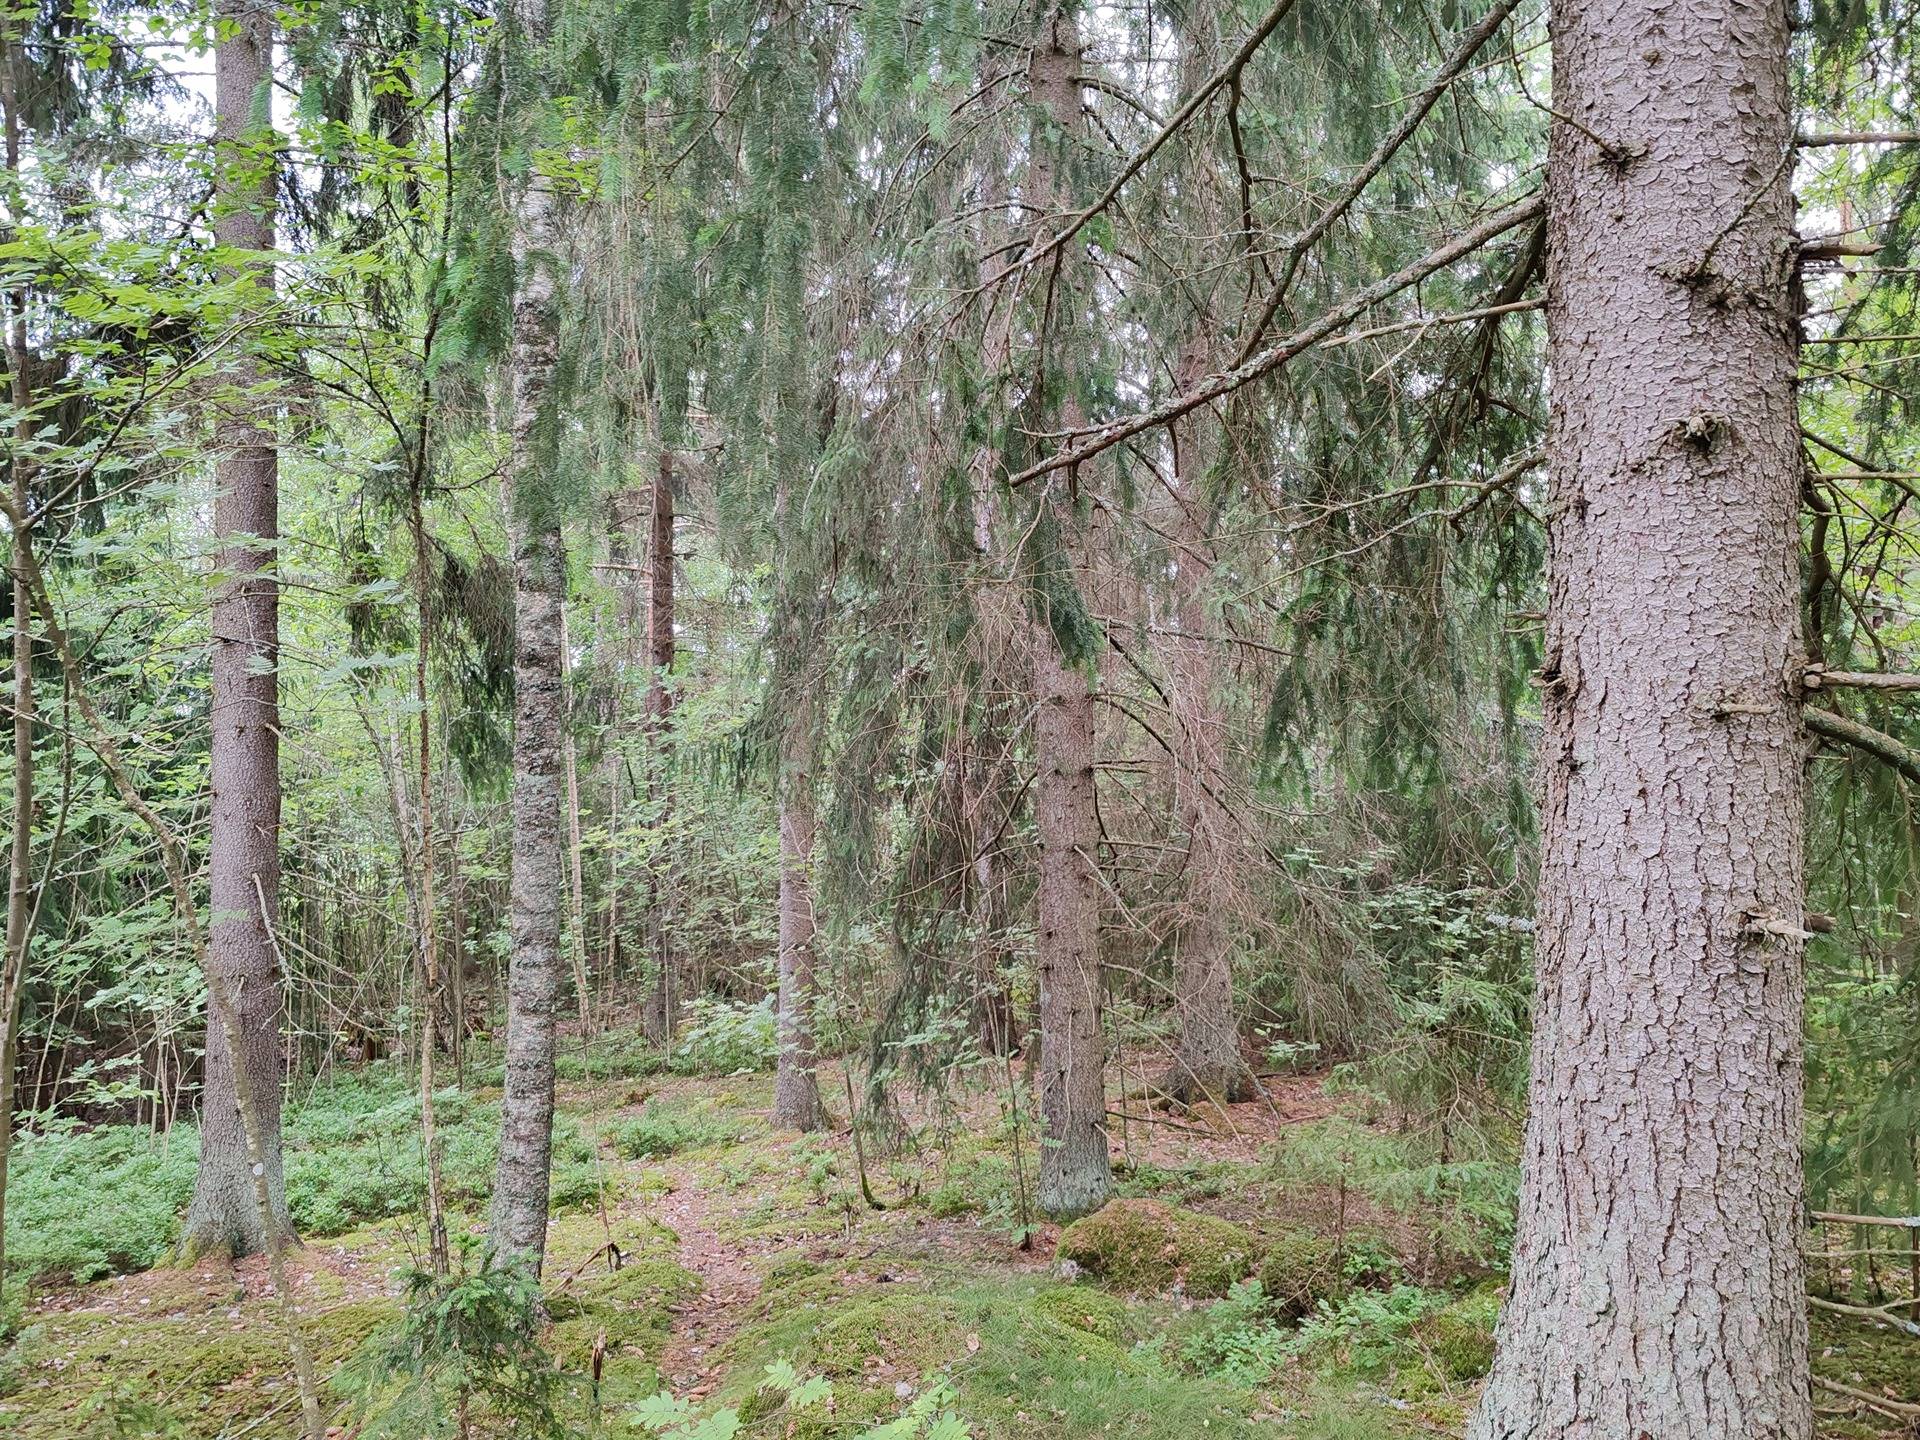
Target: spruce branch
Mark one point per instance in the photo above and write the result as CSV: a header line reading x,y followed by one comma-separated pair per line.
x,y
1423,103
1282,351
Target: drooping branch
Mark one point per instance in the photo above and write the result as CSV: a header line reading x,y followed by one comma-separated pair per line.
x,y
1227,74
1282,351
1449,71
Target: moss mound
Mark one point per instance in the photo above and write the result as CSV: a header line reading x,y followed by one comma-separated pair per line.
x,y
788,1271
109,1373
1140,1246
1089,1311
902,1335
632,1308
1029,1359
1299,1270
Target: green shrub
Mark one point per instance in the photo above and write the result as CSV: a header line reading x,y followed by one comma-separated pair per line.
x,y
472,1336
354,1154
1144,1245
610,1058
663,1129
950,1201
1237,1339
1367,1328
726,1037
97,1202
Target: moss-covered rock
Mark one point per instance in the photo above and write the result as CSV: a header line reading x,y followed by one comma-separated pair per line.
x,y
1139,1246
1299,1270
1089,1311
1460,1338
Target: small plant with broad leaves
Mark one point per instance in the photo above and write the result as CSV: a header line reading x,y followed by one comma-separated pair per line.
x,y
783,1396
726,1037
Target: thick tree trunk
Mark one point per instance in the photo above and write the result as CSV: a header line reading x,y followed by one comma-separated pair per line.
x,y
244,815
1075,1173
996,641
523,1175
1657,1286
533,976
662,1000
796,1093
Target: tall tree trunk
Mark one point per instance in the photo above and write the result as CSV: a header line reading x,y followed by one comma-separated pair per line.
x,y
1207,1060
1657,1285
429,945
20,907
244,815
1075,1173
995,640
796,1093
662,1000
576,876
523,1175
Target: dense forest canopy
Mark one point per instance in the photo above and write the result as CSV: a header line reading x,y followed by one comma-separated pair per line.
x,y
1228,688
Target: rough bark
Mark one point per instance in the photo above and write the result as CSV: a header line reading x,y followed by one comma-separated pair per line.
x,y
1207,1059
1657,1285
796,1091
244,813
428,946
1075,1174
662,1001
523,1174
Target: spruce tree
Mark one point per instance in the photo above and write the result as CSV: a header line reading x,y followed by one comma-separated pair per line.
x,y
1657,1278
245,779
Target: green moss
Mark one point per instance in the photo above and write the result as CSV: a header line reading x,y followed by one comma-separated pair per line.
x,y
949,1201
1459,1339
1079,1308
1014,1348
1140,1246
1299,1270
788,1271
632,1311
107,1372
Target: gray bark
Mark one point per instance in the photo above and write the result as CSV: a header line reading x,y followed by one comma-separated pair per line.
x,y
796,1091
244,814
523,1174
662,1001
1207,1059
1075,1174
1657,1286
20,886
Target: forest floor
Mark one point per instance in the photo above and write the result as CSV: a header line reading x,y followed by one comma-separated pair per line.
x,y
692,1247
